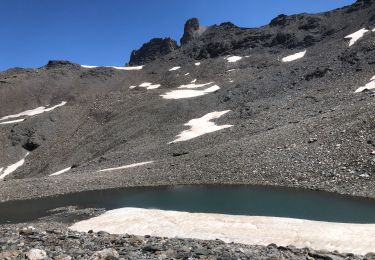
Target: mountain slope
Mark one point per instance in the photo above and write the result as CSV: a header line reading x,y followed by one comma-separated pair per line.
x,y
297,123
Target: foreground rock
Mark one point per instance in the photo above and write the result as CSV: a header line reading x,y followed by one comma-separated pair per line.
x,y
65,244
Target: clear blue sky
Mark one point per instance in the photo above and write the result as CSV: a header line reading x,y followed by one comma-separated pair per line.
x,y
104,32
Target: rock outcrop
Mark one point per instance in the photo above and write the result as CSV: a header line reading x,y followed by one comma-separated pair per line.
x,y
152,50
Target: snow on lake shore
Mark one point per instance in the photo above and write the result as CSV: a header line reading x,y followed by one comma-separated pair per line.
x,y
354,37
253,230
126,166
293,57
201,126
32,112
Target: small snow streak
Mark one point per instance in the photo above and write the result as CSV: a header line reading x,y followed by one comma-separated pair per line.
x,y
193,85
12,121
126,166
60,172
149,85
201,126
233,58
354,37
32,112
189,93
295,56
11,168
197,63
368,86
175,68
193,81
186,74
113,67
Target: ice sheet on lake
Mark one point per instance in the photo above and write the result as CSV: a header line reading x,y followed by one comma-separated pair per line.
x,y
252,230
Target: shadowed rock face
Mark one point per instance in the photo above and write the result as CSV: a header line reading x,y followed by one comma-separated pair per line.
x,y
152,50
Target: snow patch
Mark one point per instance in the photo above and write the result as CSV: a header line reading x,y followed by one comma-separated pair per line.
x,y
231,70
295,56
132,87
193,81
149,85
354,37
186,74
113,67
11,168
197,63
201,126
188,93
193,85
175,68
32,112
231,81
368,86
12,121
233,58
60,172
126,166
343,237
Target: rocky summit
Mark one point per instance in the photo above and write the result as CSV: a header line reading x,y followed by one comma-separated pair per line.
x,y
287,104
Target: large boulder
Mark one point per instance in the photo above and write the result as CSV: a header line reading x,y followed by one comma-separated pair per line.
x,y
152,50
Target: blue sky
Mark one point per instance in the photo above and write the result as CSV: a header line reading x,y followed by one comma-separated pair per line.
x,y
104,32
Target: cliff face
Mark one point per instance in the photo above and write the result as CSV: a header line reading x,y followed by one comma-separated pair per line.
x,y
274,105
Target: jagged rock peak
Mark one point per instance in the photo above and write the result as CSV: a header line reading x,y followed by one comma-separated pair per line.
x,y
192,30
152,50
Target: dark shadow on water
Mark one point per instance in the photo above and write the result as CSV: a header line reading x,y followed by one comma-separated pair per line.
x,y
227,199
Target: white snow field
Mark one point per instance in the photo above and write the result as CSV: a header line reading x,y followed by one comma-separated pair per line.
x,y
125,166
175,68
60,172
11,168
189,93
354,37
253,230
193,85
32,112
233,58
147,85
293,57
201,126
197,63
113,67
12,121
368,86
